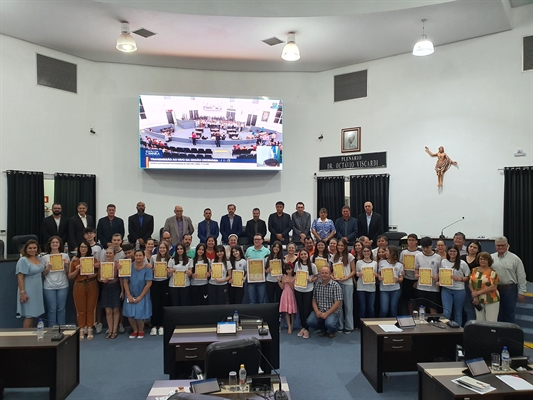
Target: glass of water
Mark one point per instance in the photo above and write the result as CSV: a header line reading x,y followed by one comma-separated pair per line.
x,y
495,361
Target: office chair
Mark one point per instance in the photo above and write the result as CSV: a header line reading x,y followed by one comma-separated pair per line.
x,y
17,242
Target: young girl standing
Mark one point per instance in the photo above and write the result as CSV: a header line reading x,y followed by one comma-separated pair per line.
x,y
346,320
390,293
453,297
199,291
179,295
366,292
218,287
238,263
287,302
159,289
304,295
55,283
112,296
290,257
272,286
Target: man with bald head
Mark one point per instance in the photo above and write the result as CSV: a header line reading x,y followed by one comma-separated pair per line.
x,y
178,225
370,223
140,226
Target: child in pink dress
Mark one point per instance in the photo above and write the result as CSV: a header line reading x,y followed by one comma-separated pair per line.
x,y
287,303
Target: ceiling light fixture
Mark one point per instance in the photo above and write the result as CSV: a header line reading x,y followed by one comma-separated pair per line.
x,y
424,47
125,42
291,52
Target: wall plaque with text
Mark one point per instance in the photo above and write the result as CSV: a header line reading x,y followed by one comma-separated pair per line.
x,y
359,161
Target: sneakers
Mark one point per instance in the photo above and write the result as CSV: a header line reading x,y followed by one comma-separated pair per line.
x,y
161,332
133,335
98,327
140,335
301,333
347,332
153,331
121,328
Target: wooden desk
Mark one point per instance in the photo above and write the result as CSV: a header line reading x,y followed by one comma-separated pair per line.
x,y
28,362
162,388
191,342
401,351
435,383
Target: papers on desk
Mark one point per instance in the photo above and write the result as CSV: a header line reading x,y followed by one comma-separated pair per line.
x,y
473,385
390,328
515,382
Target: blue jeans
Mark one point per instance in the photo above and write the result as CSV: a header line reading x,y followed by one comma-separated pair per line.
x,y
508,299
468,307
329,324
55,305
346,313
453,300
257,293
389,303
366,304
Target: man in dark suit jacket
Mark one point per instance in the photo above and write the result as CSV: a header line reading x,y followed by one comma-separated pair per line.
x,y
279,224
207,227
370,223
140,225
109,226
230,223
76,226
255,225
55,225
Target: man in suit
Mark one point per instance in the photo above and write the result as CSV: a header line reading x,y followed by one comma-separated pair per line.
x,y
55,225
255,225
346,226
301,224
77,225
140,225
207,227
370,223
230,223
279,224
178,225
108,226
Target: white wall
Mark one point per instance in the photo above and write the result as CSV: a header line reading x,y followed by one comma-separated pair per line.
x,y
471,97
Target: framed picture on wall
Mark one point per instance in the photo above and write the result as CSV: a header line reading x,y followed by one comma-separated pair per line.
x,y
265,116
350,140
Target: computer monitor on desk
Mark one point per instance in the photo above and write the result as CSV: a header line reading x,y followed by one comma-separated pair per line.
x,y
223,357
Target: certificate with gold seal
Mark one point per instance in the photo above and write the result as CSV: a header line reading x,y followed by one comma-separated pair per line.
x,y
125,268
256,271
275,266
179,279
368,275
160,269
320,263
87,265
338,270
237,278
107,270
388,275
409,262
57,262
301,279
445,277
216,270
425,277
201,271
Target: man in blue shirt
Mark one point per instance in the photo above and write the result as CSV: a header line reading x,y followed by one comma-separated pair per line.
x,y
346,226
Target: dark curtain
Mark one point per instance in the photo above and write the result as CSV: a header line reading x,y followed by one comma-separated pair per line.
x,y
518,214
373,188
70,189
25,204
330,195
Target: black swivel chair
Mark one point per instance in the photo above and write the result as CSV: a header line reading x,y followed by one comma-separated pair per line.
x,y
394,237
2,246
17,242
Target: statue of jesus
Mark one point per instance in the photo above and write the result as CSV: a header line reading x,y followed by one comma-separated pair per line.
x,y
443,163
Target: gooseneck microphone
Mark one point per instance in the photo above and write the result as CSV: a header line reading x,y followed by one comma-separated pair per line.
x,y
261,331
442,231
280,393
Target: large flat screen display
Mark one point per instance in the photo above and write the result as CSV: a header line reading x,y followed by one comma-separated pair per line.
x,y
191,132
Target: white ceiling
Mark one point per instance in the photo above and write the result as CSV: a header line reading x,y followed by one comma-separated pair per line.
x,y
227,35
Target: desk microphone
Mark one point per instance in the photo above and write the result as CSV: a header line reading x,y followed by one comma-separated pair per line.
x,y
59,335
280,393
450,323
261,331
442,231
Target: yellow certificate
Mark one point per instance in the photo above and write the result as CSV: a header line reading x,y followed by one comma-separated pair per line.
x,y
256,271
445,277
107,270
237,278
276,268
57,262
125,268
201,271
388,275
301,279
86,265
409,262
160,269
338,271
216,270
179,279
368,275
320,263
425,277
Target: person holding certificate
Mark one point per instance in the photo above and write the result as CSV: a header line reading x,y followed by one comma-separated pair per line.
x,y
357,250
306,275
112,292
220,275
320,256
343,273
137,306
427,265
453,274
274,268
407,258
238,267
256,286
390,276
179,271
85,291
472,260
484,288
366,272
199,277
55,284
30,284
210,252
159,289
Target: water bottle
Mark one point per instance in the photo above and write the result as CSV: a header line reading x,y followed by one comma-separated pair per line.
x,y
236,318
506,359
65,248
137,245
40,330
422,313
242,377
